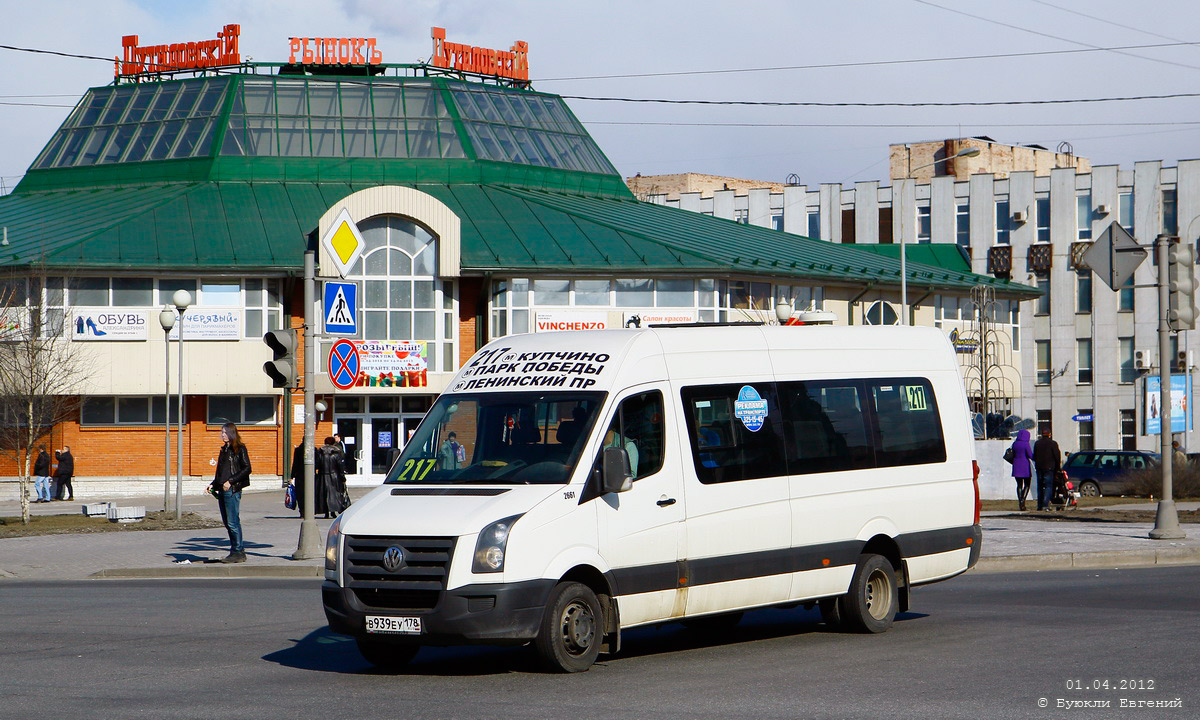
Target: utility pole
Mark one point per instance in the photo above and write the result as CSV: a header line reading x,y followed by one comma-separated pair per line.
x,y
1166,521
309,544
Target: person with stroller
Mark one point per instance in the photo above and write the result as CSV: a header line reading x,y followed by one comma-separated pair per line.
x,y
1022,465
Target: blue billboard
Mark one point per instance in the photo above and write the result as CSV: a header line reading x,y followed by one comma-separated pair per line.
x,y
1181,404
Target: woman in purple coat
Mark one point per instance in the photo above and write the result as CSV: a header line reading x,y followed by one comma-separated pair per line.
x,y
1022,465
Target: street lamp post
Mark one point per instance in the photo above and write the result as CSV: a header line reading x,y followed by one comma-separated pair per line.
x,y
182,300
166,318
969,152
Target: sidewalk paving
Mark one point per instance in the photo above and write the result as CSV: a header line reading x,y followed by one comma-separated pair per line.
x,y
272,533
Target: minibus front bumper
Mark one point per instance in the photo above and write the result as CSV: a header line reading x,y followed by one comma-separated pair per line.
x,y
500,614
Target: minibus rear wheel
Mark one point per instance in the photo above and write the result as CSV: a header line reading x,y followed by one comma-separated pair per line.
x,y
873,600
572,629
387,656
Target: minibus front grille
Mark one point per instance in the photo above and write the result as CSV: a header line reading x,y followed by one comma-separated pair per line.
x,y
416,585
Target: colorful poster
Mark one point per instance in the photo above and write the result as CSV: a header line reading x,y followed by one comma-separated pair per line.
x,y
391,363
1181,404
210,324
109,324
554,320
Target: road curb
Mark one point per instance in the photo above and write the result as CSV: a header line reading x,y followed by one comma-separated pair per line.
x,y
215,570
1089,560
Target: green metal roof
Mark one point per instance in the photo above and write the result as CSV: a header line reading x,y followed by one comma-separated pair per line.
x,y
943,255
233,172
262,226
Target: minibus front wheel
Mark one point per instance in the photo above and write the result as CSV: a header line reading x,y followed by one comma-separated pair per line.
x,y
873,600
572,628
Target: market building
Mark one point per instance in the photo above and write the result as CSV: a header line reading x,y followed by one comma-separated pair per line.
x,y
481,207
1082,353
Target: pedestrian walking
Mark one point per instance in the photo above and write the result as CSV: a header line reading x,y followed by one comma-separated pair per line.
x,y
451,454
233,474
64,473
331,479
1177,453
1022,465
41,474
298,477
1047,459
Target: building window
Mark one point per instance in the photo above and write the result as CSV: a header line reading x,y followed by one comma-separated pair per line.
x,y
1015,317
741,215
1043,361
777,222
814,224
592,292
1125,211
881,313
1043,301
402,299
962,224
1083,291
1044,422
121,410
924,224
1170,212
1083,358
1128,430
1042,210
241,410
1083,217
1003,222
1125,296
1128,370
1086,431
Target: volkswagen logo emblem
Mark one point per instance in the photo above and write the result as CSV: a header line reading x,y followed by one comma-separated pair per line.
x,y
393,558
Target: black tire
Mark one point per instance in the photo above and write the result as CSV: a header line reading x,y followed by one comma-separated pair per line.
x,y
873,600
1087,488
387,656
831,613
722,623
572,629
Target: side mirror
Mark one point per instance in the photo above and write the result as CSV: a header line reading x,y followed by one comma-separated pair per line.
x,y
615,475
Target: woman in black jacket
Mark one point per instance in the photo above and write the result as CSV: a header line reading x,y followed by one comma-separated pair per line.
x,y
233,474
66,471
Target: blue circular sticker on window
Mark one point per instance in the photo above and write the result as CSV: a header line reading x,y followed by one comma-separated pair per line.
x,y
750,408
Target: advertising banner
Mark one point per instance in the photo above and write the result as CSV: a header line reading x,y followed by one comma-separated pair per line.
x,y
210,324
659,316
391,363
1181,404
553,320
109,324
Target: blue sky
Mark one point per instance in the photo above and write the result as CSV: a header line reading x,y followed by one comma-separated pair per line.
x,y
572,40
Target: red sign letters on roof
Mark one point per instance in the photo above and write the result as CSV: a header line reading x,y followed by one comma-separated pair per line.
x,y
513,63
179,56
334,51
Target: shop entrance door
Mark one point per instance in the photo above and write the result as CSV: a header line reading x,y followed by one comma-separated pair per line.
x,y
350,428
385,444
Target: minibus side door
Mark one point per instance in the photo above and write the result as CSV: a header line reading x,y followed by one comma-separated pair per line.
x,y
641,529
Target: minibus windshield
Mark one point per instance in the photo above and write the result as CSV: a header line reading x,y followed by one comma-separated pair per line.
x,y
490,438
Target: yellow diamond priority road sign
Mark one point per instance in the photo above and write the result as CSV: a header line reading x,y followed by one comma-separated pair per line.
x,y
343,242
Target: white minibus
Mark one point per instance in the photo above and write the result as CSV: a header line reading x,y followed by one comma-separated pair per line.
x,y
571,485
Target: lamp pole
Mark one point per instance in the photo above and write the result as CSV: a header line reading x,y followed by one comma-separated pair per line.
x,y
166,318
182,300
969,152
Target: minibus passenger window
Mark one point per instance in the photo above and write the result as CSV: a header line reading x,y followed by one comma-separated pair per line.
x,y
909,431
828,427
724,447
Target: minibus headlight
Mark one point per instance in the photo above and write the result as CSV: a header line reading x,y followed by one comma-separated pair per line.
x,y
333,544
489,548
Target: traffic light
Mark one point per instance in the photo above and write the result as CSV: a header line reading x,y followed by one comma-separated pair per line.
x,y
281,370
1181,279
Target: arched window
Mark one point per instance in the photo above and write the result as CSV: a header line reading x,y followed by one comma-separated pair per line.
x,y
882,313
402,297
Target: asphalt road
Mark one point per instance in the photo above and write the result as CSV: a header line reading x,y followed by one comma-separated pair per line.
x,y
983,646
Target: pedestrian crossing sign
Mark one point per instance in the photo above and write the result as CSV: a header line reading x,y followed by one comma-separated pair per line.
x,y
341,308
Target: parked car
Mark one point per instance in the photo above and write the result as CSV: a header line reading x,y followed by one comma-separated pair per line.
x,y
1103,472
